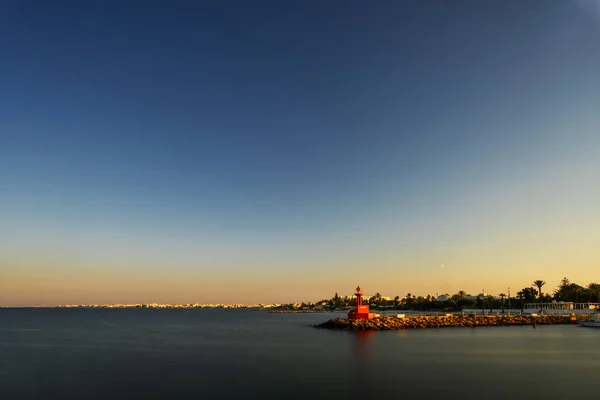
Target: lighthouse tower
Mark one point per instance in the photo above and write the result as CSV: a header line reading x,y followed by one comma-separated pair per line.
x,y
360,311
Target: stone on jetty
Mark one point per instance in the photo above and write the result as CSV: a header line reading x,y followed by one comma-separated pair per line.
x,y
456,321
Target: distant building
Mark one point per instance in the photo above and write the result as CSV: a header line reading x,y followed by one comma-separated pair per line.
x,y
477,297
353,297
443,297
562,307
367,298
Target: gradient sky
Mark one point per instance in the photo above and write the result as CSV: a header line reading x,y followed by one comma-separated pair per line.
x,y
275,151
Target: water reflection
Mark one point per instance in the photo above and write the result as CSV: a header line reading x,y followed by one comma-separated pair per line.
x,y
364,369
363,346
402,333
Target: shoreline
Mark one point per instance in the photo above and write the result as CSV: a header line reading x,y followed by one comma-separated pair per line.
x,y
394,323
296,311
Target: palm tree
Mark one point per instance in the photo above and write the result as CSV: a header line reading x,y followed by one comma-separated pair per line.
x,y
521,296
408,300
539,283
396,300
594,289
502,296
576,290
376,300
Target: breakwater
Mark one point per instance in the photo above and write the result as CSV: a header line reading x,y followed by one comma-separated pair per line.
x,y
297,312
455,321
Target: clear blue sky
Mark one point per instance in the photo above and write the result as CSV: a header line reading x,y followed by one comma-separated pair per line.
x,y
285,150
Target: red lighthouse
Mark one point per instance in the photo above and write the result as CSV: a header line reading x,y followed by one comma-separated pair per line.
x,y
361,311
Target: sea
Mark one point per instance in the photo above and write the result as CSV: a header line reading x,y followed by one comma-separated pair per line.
x,y
244,354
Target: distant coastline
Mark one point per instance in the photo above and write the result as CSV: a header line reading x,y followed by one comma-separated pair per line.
x,y
284,311
566,296
259,307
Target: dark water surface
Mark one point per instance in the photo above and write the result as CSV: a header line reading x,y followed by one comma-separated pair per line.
x,y
206,354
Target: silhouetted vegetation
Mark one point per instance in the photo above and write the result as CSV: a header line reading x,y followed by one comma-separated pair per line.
x,y
566,291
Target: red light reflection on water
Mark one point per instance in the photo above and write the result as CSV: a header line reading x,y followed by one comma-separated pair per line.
x,y
363,346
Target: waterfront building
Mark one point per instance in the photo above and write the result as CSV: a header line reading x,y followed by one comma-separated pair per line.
x,y
562,307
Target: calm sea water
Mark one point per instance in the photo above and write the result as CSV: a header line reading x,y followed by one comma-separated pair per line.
x,y
222,354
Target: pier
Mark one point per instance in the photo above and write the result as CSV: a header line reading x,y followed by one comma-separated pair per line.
x,y
447,321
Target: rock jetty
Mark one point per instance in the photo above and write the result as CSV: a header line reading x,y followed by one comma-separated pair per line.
x,y
297,312
454,321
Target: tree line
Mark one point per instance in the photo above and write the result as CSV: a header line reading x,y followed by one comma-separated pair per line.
x,y
566,291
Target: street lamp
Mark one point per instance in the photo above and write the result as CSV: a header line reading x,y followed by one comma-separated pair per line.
x,y
483,301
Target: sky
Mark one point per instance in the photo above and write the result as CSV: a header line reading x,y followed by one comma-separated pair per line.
x,y
269,151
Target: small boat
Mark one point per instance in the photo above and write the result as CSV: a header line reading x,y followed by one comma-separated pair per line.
x,y
593,322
